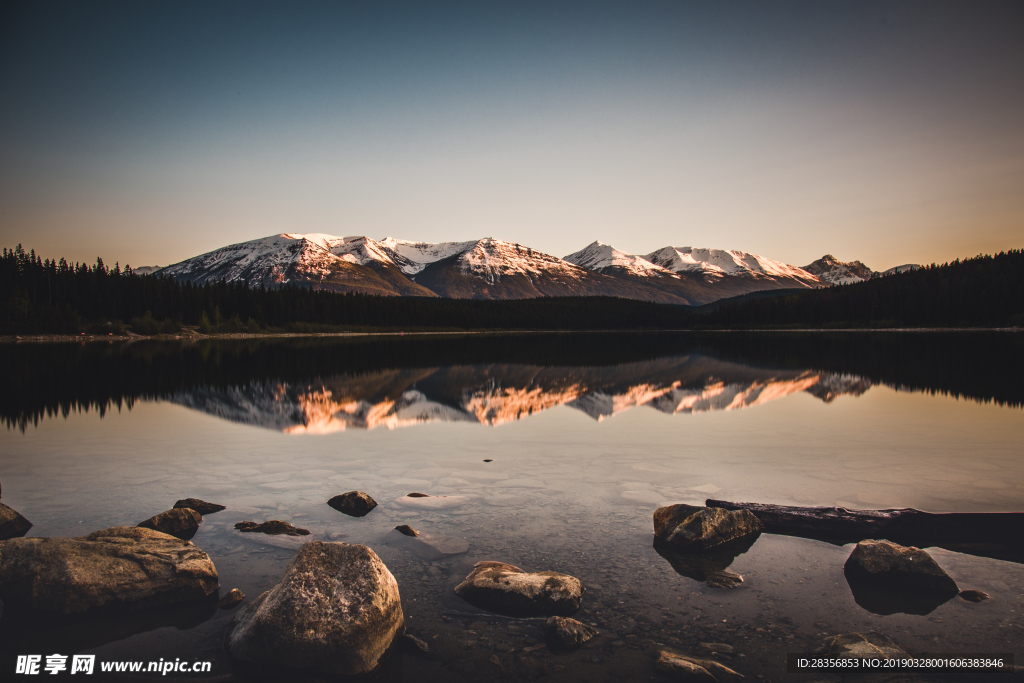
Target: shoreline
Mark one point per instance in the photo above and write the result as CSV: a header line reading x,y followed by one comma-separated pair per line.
x,y
195,336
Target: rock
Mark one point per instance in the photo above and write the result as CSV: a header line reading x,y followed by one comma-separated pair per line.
x,y
12,524
181,523
724,580
422,501
567,634
504,589
973,595
353,503
427,545
200,506
233,598
716,647
684,667
336,610
413,645
273,527
122,568
887,564
854,645
693,528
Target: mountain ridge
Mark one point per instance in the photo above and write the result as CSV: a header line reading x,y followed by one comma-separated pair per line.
x,y
490,268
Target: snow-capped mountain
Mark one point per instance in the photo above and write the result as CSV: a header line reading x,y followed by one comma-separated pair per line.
x,y
719,263
494,269
835,272
604,257
315,260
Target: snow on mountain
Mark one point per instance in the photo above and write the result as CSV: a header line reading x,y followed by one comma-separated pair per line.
x,y
420,254
718,263
835,272
146,270
600,256
902,269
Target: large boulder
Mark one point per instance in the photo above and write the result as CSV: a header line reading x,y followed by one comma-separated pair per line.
x,y
181,523
122,568
504,589
200,506
692,528
335,611
12,524
353,503
710,565
891,565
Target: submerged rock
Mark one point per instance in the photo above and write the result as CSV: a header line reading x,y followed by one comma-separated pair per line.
x,y
971,595
861,645
567,634
181,523
505,589
353,503
891,565
273,527
693,528
422,501
336,610
427,545
12,524
122,568
684,667
200,506
233,598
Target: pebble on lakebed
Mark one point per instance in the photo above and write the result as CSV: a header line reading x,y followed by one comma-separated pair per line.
x,y
684,667
234,597
273,527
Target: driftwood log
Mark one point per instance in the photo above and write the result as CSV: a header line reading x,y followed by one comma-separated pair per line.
x,y
988,534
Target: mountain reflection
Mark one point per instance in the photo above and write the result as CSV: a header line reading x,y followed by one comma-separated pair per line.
x,y
494,394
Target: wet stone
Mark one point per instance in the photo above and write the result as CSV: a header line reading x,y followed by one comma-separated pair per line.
x,y
353,503
200,506
272,527
181,523
232,599
974,595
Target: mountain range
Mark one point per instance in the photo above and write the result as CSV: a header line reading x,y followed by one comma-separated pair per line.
x,y
493,269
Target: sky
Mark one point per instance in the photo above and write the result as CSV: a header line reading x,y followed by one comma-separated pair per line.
x,y
147,133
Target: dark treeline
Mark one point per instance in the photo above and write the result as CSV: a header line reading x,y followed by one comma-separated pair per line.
x,y
984,291
44,296
58,379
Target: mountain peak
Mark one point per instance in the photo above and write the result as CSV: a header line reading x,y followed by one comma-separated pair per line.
x,y
833,271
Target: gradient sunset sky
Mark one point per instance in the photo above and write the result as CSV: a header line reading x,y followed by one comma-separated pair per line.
x,y
150,132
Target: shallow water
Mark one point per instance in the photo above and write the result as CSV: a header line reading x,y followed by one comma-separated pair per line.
x,y
582,452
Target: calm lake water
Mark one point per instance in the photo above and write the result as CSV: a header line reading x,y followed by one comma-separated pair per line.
x,y
553,451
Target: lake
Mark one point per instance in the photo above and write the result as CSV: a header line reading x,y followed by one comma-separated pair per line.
x,y
552,452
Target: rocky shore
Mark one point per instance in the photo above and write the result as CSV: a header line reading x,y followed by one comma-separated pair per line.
x,y
337,610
